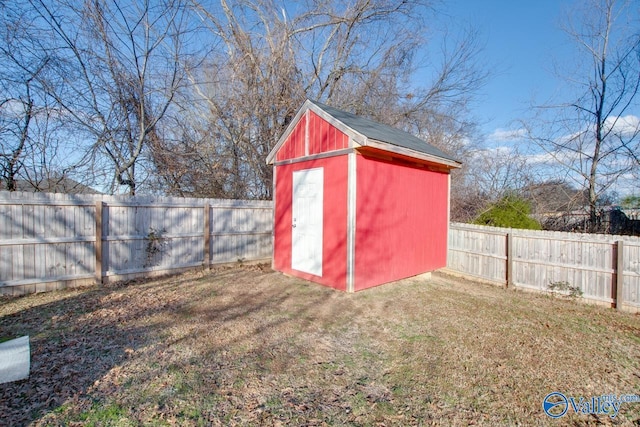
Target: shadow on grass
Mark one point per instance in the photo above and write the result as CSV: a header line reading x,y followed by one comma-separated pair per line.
x,y
78,340
74,342
247,346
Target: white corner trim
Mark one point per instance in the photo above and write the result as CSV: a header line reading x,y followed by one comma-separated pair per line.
x,y
273,219
306,133
351,220
448,212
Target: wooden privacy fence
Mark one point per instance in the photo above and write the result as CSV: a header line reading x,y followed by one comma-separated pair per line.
x,y
605,268
49,241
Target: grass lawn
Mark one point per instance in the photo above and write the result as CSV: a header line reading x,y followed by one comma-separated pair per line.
x,y
248,346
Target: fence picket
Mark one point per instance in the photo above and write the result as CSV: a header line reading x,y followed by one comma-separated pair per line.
x,y
56,239
539,258
46,238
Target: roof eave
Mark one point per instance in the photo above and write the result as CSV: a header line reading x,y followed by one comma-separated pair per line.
x,y
381,145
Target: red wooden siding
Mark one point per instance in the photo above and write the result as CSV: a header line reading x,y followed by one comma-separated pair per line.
x,y
334,240
401,221
293,147
323,136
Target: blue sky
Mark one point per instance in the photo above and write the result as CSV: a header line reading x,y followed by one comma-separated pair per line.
x,y
522,41
524,45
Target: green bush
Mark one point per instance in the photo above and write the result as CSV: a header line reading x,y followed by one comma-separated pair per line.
x,y
510,211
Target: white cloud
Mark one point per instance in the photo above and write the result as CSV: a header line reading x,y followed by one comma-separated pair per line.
x,y
465,141
541,158
625,126
504,135
13,109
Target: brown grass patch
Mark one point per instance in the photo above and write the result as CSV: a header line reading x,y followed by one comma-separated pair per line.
x,y
248,346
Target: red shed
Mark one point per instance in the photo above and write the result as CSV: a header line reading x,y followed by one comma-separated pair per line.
x,y
357,203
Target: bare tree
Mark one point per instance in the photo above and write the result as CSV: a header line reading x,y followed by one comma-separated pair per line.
x,y
21,105
119,66
489,175
595,137
104,81
554,197
268,57
17,114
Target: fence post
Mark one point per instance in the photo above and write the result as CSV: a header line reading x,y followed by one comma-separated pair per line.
x,y
509,260
207,235
98,242
619,274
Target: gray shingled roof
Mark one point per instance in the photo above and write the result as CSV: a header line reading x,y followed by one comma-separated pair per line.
x,y
383,133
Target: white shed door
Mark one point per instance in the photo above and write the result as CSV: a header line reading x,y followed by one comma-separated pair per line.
x,y
306,234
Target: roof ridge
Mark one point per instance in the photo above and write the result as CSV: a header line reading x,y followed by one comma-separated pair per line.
x,y
382,132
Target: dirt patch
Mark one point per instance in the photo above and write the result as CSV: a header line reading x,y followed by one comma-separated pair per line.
x,y
248,346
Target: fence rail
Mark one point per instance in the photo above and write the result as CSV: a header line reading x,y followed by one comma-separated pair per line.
x,y
605,268
49,241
